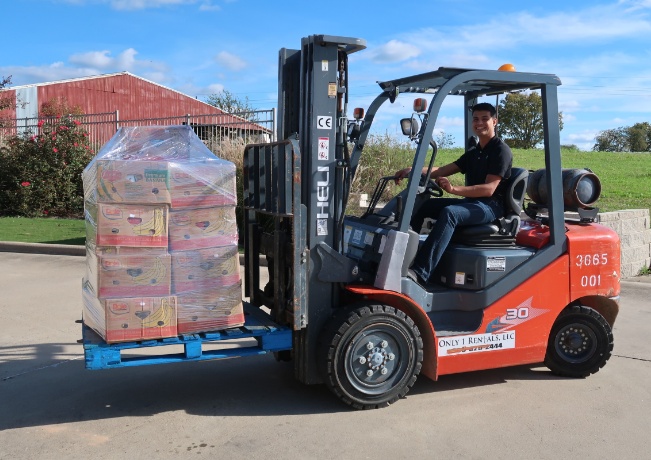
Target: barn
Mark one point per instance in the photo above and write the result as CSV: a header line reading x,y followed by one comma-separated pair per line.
x,y
124,99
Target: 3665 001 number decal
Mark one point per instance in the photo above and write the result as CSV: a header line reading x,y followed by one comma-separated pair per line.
x,y
592,280
590,260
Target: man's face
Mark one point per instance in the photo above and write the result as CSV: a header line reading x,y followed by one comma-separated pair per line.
x,y
483,124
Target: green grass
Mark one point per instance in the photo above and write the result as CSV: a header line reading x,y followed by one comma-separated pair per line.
x,y
625,177
37,230
625,181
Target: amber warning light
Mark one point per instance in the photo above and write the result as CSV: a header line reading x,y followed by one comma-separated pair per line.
x,y
358,113
507,68
420,105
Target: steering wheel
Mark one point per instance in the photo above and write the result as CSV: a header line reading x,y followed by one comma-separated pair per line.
x,y
431,187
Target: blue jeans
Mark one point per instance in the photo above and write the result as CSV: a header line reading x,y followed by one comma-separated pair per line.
x,y
449,213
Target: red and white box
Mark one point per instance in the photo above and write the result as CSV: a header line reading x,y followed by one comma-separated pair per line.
x,y
133,181
130,319
205,269
135,225
142,274
206,183
210,311
202,228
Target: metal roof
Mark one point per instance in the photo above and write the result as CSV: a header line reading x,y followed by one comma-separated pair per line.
x,y
474,82
106,75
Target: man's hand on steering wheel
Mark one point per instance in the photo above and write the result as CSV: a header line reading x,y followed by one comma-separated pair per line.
x,y
431,187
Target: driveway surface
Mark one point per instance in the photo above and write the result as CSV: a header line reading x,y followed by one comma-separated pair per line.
x,y
252,408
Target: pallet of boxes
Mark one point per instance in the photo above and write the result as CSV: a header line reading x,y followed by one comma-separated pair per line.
x,y
161,237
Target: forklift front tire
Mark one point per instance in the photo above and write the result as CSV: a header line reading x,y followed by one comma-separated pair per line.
x,y
580,343
370,355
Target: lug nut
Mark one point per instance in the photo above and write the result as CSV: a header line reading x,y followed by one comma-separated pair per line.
x,y
384,371
369,373
384,344
362,360
392,356
369,346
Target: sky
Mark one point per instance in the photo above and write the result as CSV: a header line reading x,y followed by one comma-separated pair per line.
x,y
600,49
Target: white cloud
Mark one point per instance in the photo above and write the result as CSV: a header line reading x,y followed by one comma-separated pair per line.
x,y
511,31
209,6
582,137
634,5
90,63
103,61
97,59
144,4
215,88
230,61
394,51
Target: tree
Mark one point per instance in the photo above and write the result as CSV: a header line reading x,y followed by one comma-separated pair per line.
x,y
612,140
639,136
58,107
443,140
230,103
520,120
636,138
5,101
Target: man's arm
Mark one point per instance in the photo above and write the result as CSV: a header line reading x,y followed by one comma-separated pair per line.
x,y
443,171
484,190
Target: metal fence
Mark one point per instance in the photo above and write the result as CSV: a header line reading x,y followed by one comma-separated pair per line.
x,y
252,127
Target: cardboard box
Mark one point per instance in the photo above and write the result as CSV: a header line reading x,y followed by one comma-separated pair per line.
x,y
202,228
133,181
134,225
210,311
206,183
130,319
142,274
205,269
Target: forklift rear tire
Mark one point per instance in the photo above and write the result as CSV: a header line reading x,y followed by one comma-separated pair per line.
x,y
580,343
370,355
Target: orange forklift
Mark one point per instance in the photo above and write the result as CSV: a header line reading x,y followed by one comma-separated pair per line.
x,y
536,286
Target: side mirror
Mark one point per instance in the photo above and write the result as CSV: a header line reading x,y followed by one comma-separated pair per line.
x,y
409,127
353,131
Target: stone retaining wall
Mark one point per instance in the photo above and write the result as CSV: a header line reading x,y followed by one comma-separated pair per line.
x,y
632,226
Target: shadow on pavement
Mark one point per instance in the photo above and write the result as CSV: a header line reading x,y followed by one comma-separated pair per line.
x,y
47,384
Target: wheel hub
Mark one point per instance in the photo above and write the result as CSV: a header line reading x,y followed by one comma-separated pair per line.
x,y
576,343
373,360
377,358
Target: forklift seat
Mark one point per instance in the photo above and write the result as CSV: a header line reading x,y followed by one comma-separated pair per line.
x,y
502,231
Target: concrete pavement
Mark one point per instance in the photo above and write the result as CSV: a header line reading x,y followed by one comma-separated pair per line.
x,y
51,407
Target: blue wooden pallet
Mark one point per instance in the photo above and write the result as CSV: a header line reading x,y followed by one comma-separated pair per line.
x,y
269,337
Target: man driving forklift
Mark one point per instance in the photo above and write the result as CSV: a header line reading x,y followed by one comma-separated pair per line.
x,y
486,166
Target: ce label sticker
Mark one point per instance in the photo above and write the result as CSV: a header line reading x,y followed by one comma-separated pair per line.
x,y
324,122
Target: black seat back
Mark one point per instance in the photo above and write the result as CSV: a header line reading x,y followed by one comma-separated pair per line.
x,y
516,188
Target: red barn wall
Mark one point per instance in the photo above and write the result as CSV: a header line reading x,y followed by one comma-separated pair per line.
x,y
133,97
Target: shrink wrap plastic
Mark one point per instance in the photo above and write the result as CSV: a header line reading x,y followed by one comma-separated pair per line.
x,y
161,237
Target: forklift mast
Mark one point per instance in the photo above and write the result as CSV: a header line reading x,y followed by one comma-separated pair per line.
x,y
295,193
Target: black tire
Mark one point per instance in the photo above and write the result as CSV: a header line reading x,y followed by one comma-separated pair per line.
x,y
580,343
370,355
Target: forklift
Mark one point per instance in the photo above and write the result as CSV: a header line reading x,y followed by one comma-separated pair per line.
x,y
543,289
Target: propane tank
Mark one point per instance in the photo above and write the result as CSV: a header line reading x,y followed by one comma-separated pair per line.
x,y
581,188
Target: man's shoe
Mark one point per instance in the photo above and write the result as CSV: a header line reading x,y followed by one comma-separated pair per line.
x,y
412,275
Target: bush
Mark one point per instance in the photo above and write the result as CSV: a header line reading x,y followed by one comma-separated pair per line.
x,y
40,174
383,156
